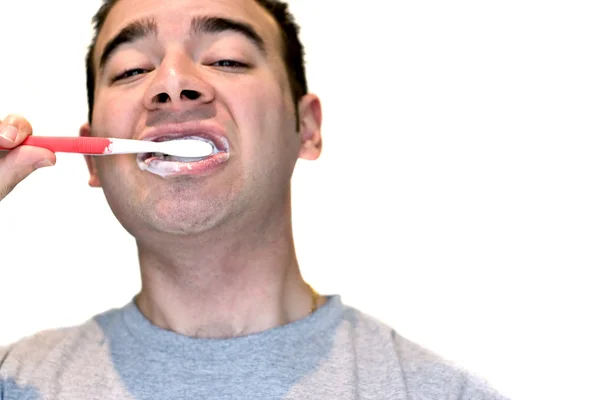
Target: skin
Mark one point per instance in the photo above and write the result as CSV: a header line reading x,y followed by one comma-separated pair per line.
x,y
216,250
19,163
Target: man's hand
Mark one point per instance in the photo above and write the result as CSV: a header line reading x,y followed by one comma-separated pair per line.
x,y
17,164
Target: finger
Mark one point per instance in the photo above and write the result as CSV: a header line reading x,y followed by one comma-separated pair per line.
x,y
13,130
20,163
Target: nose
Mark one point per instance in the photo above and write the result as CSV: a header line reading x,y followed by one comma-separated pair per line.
x,y
178,85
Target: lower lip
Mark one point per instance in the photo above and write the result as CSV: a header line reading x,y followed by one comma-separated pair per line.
x,y
175,168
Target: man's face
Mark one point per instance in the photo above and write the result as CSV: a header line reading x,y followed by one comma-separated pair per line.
x,y
177,72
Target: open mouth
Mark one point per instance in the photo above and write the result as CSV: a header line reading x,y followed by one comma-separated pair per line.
x,y
170,158
166,164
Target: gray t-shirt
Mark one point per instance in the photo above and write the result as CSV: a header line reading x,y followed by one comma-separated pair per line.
x,y
335,353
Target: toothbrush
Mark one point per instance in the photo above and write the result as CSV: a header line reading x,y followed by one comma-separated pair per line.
x,y
98,146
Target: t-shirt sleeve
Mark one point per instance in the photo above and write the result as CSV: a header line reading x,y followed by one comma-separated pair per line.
x,y
476,388
3,355
428,375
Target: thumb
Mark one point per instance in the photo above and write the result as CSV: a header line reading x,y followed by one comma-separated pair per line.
x,y
19,163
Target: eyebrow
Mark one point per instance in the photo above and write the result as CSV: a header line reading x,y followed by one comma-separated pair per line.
x,y
132,32
199,25
208,25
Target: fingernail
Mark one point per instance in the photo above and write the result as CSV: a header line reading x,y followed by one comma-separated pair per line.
x,y
42,164
9,132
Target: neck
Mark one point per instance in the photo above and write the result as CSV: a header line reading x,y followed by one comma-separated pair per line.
x,y
223,285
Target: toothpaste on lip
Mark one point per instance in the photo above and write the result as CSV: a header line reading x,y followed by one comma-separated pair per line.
x,y
164,164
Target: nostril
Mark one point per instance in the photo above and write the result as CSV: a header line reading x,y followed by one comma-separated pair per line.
x,y
162,98
190,94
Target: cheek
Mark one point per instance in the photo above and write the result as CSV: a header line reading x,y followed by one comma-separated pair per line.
x,y
268,141
115,116
117,170
262,112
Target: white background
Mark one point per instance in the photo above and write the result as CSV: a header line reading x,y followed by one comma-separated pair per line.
x,y
457,198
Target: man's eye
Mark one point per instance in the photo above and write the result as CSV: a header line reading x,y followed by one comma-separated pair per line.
x,y
129,73
230,64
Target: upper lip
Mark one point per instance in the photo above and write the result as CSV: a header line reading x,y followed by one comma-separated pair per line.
x,y
209,131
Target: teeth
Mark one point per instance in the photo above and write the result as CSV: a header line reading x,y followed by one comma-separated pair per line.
x,y
183,159
166,157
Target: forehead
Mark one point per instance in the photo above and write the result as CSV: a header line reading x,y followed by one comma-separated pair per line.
x,y
173,17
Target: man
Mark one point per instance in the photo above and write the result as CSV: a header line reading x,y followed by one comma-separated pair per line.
x,y
223,312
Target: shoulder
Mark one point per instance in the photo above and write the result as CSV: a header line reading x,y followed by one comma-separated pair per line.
x,y
52,346
434,376
425,373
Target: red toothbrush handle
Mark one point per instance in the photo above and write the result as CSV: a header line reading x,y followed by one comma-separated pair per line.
x,y
82,145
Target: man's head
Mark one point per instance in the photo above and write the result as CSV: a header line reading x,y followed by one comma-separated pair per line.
x,y
228,69
292,49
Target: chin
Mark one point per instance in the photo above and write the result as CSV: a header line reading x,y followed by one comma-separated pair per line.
x,y
172,216
183,205
183,217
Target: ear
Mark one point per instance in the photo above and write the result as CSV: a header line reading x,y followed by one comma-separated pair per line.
x,y
310,114
94,181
